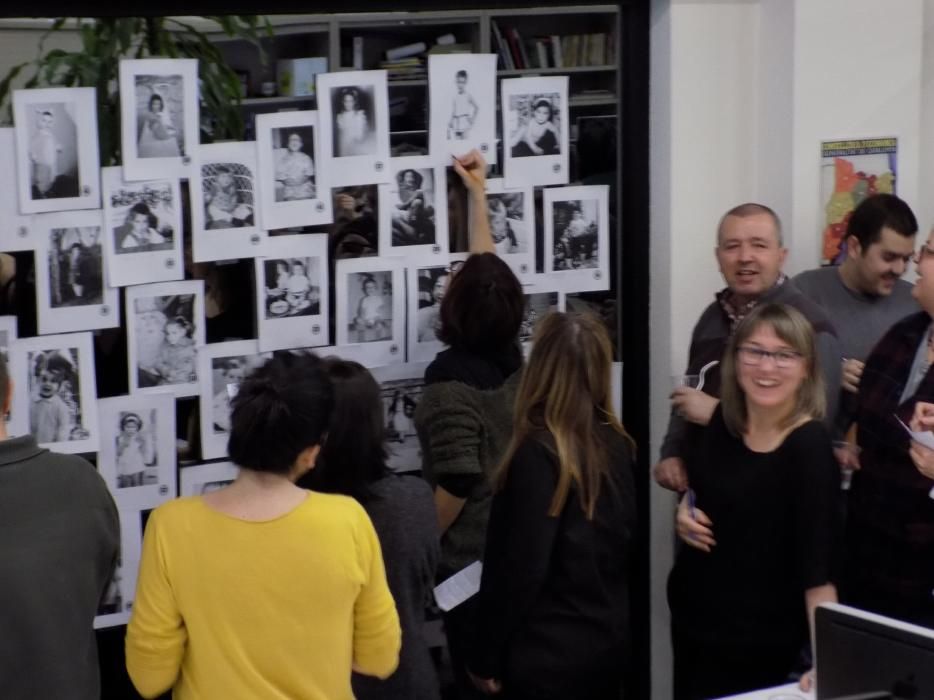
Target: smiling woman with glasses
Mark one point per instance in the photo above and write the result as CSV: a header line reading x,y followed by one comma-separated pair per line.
x,y
759,521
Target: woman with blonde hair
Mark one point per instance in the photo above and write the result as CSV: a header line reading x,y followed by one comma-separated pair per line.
x,y
554,607
760,521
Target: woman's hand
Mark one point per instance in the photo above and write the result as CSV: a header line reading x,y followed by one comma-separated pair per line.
x,y
694,527
807,684
693,405
472,170
923,417
489,686
923,458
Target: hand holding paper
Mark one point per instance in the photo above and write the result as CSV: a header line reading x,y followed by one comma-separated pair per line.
x,y
922,440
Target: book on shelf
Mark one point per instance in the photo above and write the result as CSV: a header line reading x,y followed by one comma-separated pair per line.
x,y
502,48
451,48
557,56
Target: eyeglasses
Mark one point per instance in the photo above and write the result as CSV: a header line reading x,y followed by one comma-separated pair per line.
x,y
925,251
753,357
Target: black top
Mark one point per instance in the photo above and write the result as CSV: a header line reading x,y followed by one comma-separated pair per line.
x,y
554,602
774,520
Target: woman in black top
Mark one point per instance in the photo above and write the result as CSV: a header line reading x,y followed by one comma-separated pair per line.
x,y
554,608
760,519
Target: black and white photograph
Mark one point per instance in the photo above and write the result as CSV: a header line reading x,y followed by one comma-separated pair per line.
x,y
512,223
462,89
370,308
540,300
292,184
159,116
142,229
8,333
292,292
117,602
137,456
224,366
535,131
401,389
354,120
415,219
200,479
15,228
427,286
223,203
72,293
356,207
57,395
56,148
577,237
165,328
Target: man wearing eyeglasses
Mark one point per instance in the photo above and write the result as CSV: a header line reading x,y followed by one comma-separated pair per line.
x,y
750,254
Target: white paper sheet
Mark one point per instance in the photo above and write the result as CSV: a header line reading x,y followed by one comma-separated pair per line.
x,y
117,603
414,211
462,89
401,388
463,585
535,131
924,437
511,211
15,228
542,296
577,238
200,479
427,286
57,158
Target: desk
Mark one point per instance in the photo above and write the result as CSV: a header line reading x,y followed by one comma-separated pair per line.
x,y
791,691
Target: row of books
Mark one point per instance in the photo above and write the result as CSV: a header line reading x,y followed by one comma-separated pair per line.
x,y
553,51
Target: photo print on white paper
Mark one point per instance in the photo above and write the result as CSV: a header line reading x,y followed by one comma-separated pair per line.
x,y
535,131
512,222
159,116
200,479
8,334
427,286
401,389
462,89
137,455
354,120
415,218
224,366
58,162
142,229
165,327
72,293
223,203
370,308
577,237
117,602
56,401
292,185
15,228
292,292
540,298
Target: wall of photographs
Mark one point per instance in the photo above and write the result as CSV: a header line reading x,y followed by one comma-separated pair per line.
x,y
113,249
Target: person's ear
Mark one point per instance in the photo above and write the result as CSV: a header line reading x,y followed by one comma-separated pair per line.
x,y
853,246
307,458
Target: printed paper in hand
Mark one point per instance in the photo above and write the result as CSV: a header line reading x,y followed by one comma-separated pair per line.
x,y
463,585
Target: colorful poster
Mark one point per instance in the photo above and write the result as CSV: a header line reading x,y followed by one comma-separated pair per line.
x,y
852,170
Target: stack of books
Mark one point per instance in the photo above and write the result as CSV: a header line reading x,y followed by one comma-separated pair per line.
x,y
553,51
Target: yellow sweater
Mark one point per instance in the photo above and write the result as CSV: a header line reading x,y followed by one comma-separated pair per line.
x,y
278,609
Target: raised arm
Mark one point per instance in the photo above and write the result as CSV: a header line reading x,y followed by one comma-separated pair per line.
x,y
472,170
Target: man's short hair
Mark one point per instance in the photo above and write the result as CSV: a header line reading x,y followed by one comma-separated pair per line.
x,y
751,209
877,212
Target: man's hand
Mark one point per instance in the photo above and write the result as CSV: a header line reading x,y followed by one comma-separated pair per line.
x,y
671,474
693,405
852,373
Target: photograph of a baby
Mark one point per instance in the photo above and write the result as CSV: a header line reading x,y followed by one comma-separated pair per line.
x,y
294,165
165,340
432,283
507,222
136,453
76,272
159,116
226,375
354,132
228,195
53,151
55,411
141,218
413,211
293,287
463,110
576,240
534,125
369,296
400,399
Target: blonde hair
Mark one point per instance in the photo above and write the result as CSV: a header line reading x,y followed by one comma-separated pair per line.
x,y
792,328
565,390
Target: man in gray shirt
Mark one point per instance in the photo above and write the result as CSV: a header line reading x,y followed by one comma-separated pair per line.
x,y
865,295
59,537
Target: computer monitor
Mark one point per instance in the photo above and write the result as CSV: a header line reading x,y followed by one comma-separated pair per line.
x,y
864,656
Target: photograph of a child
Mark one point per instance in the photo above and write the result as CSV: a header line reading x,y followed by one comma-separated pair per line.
x,y
464,109
400,399
356,207
226,375
354,129
53,151
136,450
75,262
575,229
293,287
294,165
534,125
537,306
370,300
165,340
432,283
112,600
55,411
160,107
228,195
507,222
413,207
142,217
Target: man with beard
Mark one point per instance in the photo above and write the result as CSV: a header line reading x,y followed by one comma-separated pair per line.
x,y
750,255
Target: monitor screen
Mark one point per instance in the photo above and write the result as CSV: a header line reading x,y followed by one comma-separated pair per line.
x,y
863,656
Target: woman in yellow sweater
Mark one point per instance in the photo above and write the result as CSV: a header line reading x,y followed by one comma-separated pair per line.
x,y
263,589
